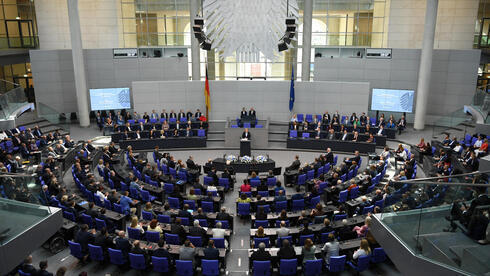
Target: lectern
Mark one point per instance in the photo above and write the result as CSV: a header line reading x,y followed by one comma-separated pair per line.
x,y
245,147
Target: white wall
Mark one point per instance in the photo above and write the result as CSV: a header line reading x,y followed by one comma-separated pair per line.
x,y
454,30
269,98
99,23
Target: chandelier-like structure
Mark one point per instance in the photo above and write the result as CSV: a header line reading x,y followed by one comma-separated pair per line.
x,y
247,27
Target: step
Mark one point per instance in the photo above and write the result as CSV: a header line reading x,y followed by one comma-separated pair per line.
x,y
282,137
215,139
277,140
216,132
278,132
220,136
33,123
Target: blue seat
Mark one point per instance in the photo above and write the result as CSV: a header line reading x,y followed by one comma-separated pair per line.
x,y
298,204
172,172
99,224
75,250
336,264
154,183
134,233
184,268
339,217
96,253
137,261
380,203
118,208
263,193
300,118
184,221
86,219
210,267
254,182
293,134
310,174
133,193
160,264
172,239
313,267
302,239
203,222
343,177
354,192
378,255
224,182
69,215
278,223
301,179
263,223
246,125
314,201
163,218
107,204
196,241
343,196
324,236
280,239
280,205
191,203
319,171
168,188
305,135
243,209
224,224
147,215
288,266
207,206
271,181
266,241
124,187
146,197
152,236
174,202
201,132
219,242
261,268
368,209
362,264
208,180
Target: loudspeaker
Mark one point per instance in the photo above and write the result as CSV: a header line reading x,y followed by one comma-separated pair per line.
x,y
206,46
180,54
198,21
318,55
290,21
197,28
157,53
291,28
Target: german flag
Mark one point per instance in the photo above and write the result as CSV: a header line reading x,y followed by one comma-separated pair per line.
x,y
207,95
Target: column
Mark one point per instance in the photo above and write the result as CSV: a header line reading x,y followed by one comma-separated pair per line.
x,y
211,64
307,21
425,68
78,63
196,66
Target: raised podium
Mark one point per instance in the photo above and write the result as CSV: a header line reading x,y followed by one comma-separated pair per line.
x,y
245,147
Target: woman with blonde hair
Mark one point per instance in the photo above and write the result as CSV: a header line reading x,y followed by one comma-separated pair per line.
x,y
363,250
135,224
260,232
362,231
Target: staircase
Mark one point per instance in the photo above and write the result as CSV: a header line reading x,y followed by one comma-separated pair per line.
x,y
278,134
30,120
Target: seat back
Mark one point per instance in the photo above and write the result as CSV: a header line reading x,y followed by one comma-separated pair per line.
x,y
302,239
354,192
314,201
99,224
172,239
263,223
160,264
362,263
116,257
265,240
134,233
339,217
288,266
224,224
184,221
147,215
310,174
305,135
75,249
243,209
271,181
69,215
174,202
86,219
207,206
336,264
298,204
263,193
196,241
368,209
152,236
293,134
184,268
313,267
262,268
210,267
191,203
378,255
343,196
118,208
168,188
137,261
254,182
301,179
163,218
219,242
201,132
281,205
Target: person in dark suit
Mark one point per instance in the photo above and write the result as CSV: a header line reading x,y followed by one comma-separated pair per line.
x,y
138,250
295,165
210,252
122,243
329,156
197,231
345,136
181,114
172,114
261,254
246,135
252,113
177,229
188,115
331,134
243,113
164,114
401,124
27,266
188,132
381,130
305,231
83,237
43,265
223,215
286,251
198,114
212,174
161,252
103,240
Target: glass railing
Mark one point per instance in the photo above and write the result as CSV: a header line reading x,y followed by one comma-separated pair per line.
x,y
52,116
433,218
23,187
11,101
481,101
26,42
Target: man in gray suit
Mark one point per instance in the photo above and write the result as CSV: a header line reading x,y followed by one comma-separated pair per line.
x,y
283,231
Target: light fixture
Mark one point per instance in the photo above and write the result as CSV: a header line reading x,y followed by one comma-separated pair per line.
x,y
18,18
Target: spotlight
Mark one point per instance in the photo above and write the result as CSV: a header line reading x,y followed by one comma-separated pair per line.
x,y
290,21
199,21
180,54
290,28
290,34
286,39
282,46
